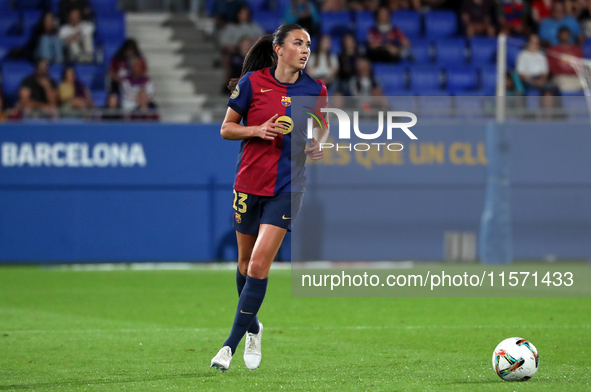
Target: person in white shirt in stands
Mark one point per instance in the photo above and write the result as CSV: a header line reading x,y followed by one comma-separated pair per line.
x,y
532,65
78,37
323,64
133,84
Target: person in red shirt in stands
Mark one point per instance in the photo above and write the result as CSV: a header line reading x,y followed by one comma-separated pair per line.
x,y
564,76
385,42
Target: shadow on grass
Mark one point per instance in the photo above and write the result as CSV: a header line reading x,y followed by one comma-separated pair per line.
x,y
211,373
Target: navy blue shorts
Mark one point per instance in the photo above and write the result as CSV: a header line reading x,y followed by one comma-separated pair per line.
x,y
251,211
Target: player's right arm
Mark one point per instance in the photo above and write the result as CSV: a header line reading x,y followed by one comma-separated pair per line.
x,y
232,130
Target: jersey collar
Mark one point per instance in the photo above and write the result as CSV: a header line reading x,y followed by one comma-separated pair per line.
x,y
272,71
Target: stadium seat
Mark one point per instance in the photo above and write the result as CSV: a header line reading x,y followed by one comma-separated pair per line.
x,y
514,46
451,52
14,41
13,73
423,79
587,49
104,6
335,45
109,50
421,50
99,97
55,72
268,20
440,24
483,50
363,21
3,52
336,23
110,26
409,22
460,79
29,4
488,76
4,5
9,23
392,78
31,20
91,75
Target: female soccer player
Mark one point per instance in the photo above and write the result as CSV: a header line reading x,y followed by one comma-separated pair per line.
x,y
271,159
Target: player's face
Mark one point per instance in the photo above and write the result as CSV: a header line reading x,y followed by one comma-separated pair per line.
x,y
296,49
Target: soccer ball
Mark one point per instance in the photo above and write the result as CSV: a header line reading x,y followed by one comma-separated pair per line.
x,y
515,359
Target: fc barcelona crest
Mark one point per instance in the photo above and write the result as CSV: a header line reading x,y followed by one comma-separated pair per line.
x,y
286,101
237,217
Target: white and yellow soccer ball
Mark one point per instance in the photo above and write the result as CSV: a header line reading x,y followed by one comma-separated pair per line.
x,y
515,359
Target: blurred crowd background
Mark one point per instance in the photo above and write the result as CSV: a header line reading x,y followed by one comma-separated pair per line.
x,y
68,57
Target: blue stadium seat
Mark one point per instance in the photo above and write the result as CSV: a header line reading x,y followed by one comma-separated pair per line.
x,y
99,97
110,26
514,46
55,72
488,76
460,79
30,20
29,4
13,73
421,50
392,78
14,41
109,50
409,22
484,50
4,5
335,45
440,24
91,75
268,20
423,79
587,49
104,6
363,21
257,5
451,51
9,23
336,23
3,52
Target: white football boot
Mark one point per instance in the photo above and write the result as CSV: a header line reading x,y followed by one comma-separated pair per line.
x,y
222,360
252,351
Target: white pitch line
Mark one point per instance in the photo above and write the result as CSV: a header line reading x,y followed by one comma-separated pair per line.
x,y
315,328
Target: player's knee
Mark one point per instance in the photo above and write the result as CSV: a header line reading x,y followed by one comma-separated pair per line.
x,y
243,265
258,269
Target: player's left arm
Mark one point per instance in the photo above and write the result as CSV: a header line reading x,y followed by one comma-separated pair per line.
x,y
320,133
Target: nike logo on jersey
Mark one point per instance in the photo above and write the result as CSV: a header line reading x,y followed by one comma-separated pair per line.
x,y
264,91
243,312
284,217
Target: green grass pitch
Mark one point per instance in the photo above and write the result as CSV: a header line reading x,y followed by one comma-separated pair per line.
x,y
63,330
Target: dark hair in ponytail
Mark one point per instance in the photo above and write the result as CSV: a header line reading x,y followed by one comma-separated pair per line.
x,y
262,55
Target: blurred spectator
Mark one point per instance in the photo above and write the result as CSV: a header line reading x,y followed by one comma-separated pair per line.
x,y
540,10
73,93
323,64
146,109
226,11
112,108
532,65
38,91
83,6
120,66
385,42
550,26
78,36
581,11
334,5
231,35
304,13
48,43
243,27
237,58
513,16
564,76
347,63
8,114
364,83
397,5
477,17
134,83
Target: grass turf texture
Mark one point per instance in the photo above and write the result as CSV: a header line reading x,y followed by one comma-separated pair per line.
x,y
158,330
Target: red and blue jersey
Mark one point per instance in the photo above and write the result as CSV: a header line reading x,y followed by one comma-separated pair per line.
x,y
269,167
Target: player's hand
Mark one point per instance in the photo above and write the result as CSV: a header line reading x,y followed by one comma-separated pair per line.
x,y
270,129
314,151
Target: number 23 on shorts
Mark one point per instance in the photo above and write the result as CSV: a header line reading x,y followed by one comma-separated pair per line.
x,y
240,197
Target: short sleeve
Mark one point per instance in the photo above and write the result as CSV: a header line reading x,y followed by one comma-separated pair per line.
x,y
322,101
241,97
